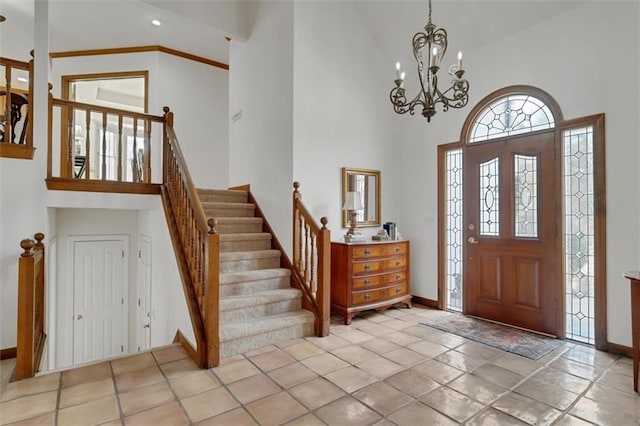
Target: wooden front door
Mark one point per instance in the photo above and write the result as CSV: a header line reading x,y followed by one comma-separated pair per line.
x,y
511,274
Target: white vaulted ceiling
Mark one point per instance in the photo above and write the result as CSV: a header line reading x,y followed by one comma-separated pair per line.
x,y
199,27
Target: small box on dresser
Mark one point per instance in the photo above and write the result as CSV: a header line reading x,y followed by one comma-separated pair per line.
x,y
372,275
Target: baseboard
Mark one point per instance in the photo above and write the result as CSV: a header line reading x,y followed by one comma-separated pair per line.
x,y
8,353
615,348
429,303
193,353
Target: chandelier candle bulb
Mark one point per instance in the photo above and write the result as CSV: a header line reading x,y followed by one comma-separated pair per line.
x,y
459,60
398,75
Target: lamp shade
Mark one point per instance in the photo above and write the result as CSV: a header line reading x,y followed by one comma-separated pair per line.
x,y
352,201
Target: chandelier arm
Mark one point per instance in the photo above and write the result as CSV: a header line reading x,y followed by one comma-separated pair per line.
x,y
459,97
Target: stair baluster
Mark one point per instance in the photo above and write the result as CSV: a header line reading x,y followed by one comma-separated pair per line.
x,y
312,260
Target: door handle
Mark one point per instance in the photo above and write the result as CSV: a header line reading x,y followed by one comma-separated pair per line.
x,y
472,240
145,326
79,317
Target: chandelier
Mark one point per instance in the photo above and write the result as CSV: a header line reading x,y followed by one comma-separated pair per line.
x,y
428,49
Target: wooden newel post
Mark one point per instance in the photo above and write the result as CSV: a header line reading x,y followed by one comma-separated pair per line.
x,y
212,295
25,343
324,280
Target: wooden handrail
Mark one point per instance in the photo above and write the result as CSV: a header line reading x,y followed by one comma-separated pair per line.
x,y
107,110
197,242
31,324
312,260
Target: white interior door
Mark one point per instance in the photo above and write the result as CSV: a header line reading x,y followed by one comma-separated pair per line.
x,y
143,307
99,308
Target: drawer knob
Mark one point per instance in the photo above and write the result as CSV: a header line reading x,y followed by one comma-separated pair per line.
x,y
366,251
367,267
367,297
367,282
397,249
397,276
398,290
397,263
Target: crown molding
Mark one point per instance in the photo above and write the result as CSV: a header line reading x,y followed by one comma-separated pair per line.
x,y
138,49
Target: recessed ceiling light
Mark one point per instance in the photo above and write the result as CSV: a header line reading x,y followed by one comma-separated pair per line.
x,y
22,79
156,22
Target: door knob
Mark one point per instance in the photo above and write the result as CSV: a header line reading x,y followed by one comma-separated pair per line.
x,y
79,317
145,326
472,240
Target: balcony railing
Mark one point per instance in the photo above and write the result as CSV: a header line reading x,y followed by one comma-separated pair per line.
x,y
16,99
103,149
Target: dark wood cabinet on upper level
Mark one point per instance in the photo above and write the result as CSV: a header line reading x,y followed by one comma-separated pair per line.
x,y
372,275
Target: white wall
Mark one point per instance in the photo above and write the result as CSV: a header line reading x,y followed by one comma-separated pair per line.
x,y
341,109
83,222
22,212
559,56
198,95
261,85
168,305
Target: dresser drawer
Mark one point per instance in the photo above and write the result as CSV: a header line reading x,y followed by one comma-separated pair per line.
x,y
373,296
379,250
373,281
379,265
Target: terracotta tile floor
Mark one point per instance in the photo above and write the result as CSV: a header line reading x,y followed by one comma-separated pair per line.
x,y
383,369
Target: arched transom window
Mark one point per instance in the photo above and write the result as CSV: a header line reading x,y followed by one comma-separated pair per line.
x,y
511,115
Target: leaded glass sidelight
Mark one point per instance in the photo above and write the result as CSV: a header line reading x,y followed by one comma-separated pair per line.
x,y
579,234
490,198
454,229
525,171
511,115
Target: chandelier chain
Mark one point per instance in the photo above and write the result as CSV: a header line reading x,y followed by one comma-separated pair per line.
x,y
429,12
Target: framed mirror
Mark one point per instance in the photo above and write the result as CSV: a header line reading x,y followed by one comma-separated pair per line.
x,y
366,183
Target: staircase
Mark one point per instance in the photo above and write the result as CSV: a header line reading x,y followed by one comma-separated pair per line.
x,y
258,306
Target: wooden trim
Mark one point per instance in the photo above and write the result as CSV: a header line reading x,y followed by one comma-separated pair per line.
x,y
185,279
11,150
600,219
615,348
429,303
179,338
138,49
67,184
245,187
8,353
442,214
67,79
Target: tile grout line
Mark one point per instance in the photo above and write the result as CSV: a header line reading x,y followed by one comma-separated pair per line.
x,y
168,383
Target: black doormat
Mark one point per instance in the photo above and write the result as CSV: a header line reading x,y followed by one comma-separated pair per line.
x,y
520,342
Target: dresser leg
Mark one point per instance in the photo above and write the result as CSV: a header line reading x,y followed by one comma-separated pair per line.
x,y
348,318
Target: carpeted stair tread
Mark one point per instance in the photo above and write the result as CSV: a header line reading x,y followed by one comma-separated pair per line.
x,y
245,237
243,329
253,275
237,261
226,209
229,195
259,298
246,255
245,242
239,225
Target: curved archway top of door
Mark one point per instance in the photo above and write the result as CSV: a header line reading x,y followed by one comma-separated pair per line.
x,y
521,89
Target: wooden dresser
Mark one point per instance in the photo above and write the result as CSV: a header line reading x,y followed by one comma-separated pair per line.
x,y
371,275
